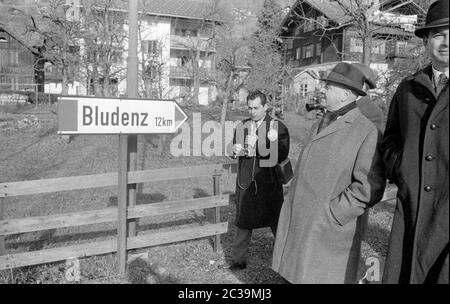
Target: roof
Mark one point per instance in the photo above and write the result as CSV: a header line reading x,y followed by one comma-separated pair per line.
x,y
31,49
189,9
334,11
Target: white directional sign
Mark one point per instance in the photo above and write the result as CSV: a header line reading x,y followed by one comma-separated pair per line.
x,y
90,115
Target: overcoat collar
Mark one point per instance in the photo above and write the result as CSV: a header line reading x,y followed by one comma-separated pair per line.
x,y
266,119
337,125
424,77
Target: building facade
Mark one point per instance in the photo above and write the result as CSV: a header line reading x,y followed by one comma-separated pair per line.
x,y
175,54
17,63
320,33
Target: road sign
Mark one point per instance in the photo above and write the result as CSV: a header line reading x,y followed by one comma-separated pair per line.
x,y
91,115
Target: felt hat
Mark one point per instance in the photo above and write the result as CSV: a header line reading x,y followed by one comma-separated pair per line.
x,y
347,75
369,74
437,16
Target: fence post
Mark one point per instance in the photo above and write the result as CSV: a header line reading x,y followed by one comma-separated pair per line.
x,y
36,95
216,188
122,205
2,216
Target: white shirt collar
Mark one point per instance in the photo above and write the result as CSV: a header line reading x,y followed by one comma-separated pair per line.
x,y
436,75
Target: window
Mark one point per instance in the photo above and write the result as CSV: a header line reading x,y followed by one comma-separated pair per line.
x,y
298,53
48,67
150,47
308,51
318,49
13,57
356,45
289,43
401,47
323,21
116,56
3,39
74,50
186,33
303,89
378,47
309,25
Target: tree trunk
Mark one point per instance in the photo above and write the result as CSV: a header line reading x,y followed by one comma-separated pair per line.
x,y
65,82
225,96
367,50
223,113
106,83
96,82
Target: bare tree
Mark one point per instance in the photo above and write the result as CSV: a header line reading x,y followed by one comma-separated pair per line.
x,y
362,16
103,37
58,37
268,67
231,71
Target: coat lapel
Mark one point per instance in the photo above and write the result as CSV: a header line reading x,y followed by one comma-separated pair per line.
x,y
442,102
424,78
337,125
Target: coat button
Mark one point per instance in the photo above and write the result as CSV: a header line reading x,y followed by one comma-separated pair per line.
x,y
433,127
429,158
428,188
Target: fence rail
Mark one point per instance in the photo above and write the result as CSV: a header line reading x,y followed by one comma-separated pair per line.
x,y
40,223
146,239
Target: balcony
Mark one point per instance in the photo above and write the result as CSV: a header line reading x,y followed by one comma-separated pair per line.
x,y
189,43
184,72
179,72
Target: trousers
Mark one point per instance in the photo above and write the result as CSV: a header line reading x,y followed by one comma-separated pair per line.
x,y
241,243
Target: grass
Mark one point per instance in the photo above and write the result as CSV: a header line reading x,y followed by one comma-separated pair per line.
x,y
37,152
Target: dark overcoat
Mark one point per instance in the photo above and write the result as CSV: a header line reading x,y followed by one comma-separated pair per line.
x,y
415,151
259,192
339,174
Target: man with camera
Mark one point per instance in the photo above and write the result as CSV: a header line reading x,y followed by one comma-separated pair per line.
x,y
260,142
339,174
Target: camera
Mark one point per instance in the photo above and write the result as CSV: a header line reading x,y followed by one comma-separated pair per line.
x,y
315,105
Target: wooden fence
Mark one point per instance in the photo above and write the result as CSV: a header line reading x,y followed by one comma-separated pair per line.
x,y
146,239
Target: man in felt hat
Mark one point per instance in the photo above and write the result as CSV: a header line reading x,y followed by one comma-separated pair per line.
x,y
415,151
339,174
365,104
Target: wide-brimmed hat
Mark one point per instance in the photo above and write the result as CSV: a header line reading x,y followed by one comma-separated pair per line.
x,y
437,16
348,76
369,74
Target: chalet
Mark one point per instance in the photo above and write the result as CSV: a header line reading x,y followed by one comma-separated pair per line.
x,y
17,64
320,33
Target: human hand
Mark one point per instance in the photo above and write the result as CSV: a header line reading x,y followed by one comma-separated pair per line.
x,y
237,148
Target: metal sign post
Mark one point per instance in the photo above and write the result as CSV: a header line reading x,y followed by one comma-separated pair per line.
x,y
132,92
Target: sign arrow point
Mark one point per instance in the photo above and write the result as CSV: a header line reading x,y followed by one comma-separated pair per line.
x,y
180,116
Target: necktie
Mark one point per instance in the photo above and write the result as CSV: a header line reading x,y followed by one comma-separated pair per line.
x,y
442,82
